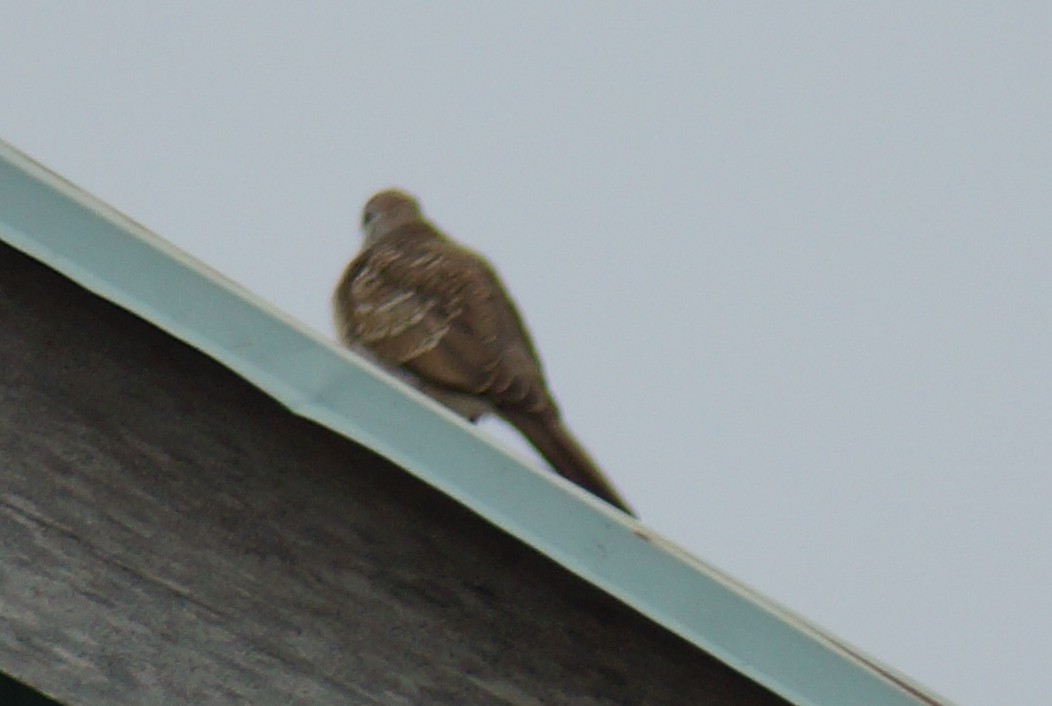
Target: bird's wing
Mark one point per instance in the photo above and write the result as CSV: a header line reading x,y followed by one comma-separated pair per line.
x,y
439,311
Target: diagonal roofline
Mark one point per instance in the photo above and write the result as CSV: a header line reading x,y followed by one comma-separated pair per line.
x,y
109,254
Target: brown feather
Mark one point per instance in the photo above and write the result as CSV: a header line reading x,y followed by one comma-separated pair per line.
x,y
424,305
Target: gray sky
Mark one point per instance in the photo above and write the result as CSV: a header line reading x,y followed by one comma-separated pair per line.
x,y
788,265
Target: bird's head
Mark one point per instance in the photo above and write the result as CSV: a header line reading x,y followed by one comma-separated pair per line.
x,y
386,211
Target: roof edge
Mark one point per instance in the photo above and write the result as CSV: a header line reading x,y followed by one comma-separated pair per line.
x,y
106,252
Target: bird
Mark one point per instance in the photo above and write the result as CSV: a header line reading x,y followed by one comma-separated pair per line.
x,y
436,314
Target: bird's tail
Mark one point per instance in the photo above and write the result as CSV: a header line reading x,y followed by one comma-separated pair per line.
x,y
555,442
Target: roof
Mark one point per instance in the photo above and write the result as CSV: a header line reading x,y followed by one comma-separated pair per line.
x,y
171,535
108,254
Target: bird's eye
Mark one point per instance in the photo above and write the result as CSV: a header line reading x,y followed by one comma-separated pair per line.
x,y
367,217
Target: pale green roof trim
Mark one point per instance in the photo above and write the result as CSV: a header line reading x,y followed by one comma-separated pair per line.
x,y
109,254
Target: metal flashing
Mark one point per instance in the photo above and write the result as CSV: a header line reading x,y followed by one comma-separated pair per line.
x,y
111,255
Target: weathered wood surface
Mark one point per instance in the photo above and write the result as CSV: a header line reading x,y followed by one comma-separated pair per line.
x,y
170,535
